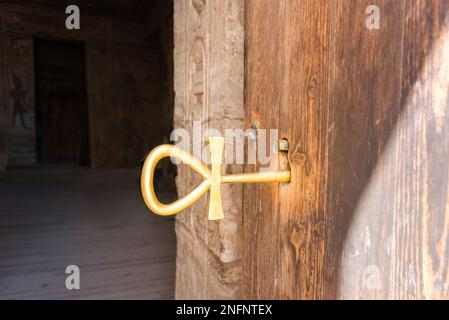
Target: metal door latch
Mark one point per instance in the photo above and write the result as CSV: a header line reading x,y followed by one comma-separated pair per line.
x,y
212,179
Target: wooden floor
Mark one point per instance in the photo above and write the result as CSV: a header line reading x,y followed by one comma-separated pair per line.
x,y
51,218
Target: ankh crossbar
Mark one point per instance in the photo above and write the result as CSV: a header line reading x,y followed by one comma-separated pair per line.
x,y
212,179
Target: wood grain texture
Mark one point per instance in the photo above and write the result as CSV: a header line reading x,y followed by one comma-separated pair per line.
x,y
366,114
261,256
366,68
396,241
95,219
303,121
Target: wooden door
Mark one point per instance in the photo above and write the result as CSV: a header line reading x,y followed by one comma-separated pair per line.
x,y
366,114
61,109
63,131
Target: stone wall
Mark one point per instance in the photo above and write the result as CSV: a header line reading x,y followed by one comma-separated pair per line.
x,y
208,38
126,85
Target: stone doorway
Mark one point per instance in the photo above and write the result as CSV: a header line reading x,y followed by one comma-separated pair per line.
x,y
62,124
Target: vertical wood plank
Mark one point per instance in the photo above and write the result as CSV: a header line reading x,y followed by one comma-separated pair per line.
x,y
303,121
364,105
396,244
433,140
263,95
286,72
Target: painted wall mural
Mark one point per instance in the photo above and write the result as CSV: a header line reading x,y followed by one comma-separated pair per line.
x,y
19,92
20,102
118,60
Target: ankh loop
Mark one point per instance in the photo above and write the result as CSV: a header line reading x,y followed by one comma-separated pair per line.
x,y
212,179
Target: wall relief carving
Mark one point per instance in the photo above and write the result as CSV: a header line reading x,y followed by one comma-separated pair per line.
x,y
199,5
197,67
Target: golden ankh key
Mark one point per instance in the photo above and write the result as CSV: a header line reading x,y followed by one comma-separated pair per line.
x,y
212,179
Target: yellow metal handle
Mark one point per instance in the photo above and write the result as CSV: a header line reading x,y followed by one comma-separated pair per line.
x,y
212,179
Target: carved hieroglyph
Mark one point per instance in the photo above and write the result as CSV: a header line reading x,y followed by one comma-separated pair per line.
x,y
208,36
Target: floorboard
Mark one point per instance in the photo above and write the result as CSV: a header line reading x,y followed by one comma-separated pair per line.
x,y
54,217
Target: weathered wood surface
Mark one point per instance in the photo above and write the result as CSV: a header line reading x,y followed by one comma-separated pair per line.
x,y
260,252
52,218
366,114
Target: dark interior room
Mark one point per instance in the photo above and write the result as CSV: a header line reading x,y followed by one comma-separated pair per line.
x,y
80,110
